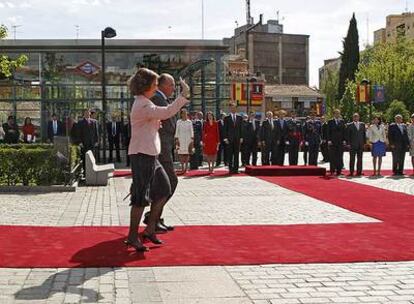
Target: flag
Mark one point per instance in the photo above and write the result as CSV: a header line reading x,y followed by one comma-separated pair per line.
x,y
363,93
379,94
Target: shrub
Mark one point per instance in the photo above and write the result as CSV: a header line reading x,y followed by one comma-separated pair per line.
x,y
33,165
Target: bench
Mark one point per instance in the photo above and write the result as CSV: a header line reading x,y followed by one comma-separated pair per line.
x,y
96,175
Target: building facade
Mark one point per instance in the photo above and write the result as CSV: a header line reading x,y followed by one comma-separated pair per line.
x,y
281,58
329,66
64,76
401,25
300,99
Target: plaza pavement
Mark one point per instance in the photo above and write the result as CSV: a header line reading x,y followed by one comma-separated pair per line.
x,y
203,201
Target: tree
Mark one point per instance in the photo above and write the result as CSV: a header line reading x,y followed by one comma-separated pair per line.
x,y
329,87
349,57
9,65
391,65
397,107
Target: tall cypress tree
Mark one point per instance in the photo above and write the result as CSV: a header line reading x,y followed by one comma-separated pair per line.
x,y
349,57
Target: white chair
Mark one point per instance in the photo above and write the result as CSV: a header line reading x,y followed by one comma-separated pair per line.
x,y
96,175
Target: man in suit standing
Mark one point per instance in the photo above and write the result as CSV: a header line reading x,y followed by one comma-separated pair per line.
x,y
324,137
336,141
251,139
221,153
196,158
88,134
266,138
99,131
356,139
233,137
114,130
312,138
294,137
280,140
399,143
54,128
166,88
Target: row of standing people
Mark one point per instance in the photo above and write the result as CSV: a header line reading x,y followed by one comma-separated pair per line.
x,y
277,136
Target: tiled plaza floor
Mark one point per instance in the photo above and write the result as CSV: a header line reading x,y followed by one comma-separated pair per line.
x,y
203,201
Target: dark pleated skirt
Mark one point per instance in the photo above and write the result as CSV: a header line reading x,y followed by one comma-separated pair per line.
x,y
150,182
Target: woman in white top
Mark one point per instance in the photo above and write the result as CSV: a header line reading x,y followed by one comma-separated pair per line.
x,y
377,138
410,131
150,183
184,139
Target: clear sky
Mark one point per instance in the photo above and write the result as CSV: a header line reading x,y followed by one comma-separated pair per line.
x,y
325,21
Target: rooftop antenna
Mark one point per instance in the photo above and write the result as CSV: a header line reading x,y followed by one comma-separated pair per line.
x,y
77,28
14,30
277,14
248,15
202,19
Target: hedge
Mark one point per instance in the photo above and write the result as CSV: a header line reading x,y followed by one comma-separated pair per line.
x,y
34,164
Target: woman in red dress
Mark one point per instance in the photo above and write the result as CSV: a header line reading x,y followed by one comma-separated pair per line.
x,y
29,134
211,140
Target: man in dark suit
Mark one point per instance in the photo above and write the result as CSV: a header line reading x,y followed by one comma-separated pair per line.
x,y
356,139
312,138
114,131
221,153
196,158
294,137
399,143
251,139
336,141
281,142
266,138
99,131
233,137
88,134
166,88
54,128
324,137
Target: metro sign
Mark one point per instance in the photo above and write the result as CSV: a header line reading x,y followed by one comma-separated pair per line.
x,y
88,68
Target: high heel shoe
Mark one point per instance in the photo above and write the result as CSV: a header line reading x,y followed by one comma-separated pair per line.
x,y
137,247
152,238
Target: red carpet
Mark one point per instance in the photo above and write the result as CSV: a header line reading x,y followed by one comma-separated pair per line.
x,y
390,240
285,171
192,173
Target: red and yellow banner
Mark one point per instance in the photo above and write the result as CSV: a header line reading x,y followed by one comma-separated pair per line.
x,y
239,93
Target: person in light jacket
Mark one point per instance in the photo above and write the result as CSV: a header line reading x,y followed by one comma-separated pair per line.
x,y
150,182
377,138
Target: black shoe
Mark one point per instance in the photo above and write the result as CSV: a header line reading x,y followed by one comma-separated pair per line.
x,y
160,229
162,224
136,245
152,238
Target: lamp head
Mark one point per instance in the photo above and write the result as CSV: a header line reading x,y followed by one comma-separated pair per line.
x,y
109,32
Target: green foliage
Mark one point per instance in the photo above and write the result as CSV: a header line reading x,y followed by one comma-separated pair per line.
x,y
33,164
9,65
397,107
349,57
54,67
329,87
391,65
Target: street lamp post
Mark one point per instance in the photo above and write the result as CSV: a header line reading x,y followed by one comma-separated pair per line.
x,y
108,32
